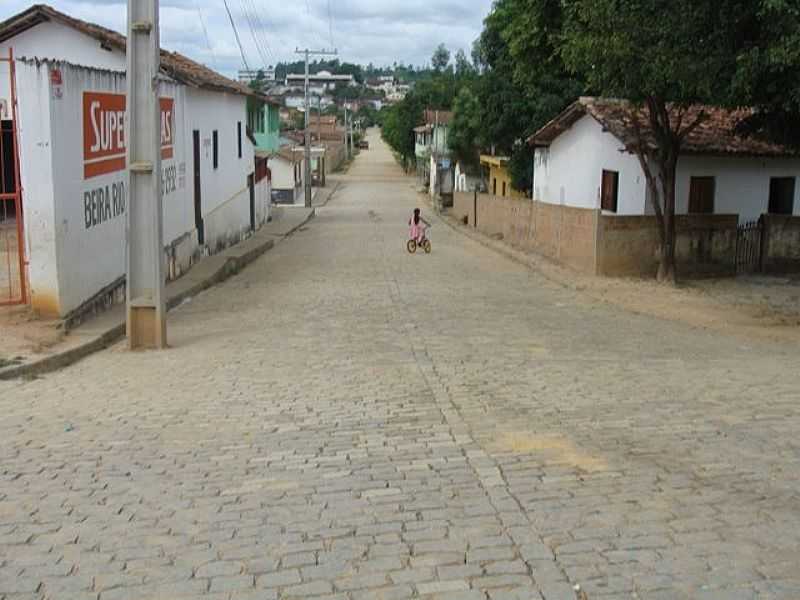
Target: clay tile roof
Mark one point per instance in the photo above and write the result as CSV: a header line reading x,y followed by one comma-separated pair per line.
x,y
175,65
443,117
718,134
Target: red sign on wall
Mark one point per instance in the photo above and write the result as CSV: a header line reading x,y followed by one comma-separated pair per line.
x,y
104,142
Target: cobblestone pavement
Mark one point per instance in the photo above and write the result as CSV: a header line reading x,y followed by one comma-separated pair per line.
x,y
344,420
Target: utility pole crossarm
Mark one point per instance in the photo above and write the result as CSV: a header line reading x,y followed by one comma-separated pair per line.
x,y
307,137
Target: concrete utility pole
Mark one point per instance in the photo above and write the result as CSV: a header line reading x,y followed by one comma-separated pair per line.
x,y
307,169
146,310
346,139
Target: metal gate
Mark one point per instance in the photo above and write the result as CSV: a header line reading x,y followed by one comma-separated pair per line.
x,y
12,242
749,238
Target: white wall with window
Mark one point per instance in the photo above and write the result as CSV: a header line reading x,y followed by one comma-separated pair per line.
x,y
740,186
570,171
588,167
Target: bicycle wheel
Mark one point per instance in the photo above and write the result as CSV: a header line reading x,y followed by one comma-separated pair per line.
x,y
411,246
426,245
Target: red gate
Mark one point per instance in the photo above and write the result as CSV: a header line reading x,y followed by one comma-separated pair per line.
x,y
12,240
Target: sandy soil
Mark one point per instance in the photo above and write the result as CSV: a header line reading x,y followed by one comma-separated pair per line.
x,y
762,307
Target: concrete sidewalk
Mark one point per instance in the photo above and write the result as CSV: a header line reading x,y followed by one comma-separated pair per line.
x,y
109,327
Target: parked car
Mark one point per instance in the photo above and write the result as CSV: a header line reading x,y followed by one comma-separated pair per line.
x,y
363,145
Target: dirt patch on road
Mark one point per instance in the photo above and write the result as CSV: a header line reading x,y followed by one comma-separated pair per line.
x,y
554,448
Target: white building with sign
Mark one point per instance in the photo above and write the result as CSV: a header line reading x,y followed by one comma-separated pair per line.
x,y
70,79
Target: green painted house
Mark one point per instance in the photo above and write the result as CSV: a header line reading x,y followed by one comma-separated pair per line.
x,y
263,121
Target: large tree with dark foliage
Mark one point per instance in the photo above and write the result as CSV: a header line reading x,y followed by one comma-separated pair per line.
x,y
667,56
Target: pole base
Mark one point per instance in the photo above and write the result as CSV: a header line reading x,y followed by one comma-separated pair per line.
x,y
147,328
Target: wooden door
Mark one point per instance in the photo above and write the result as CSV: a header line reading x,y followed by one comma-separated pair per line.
x,y
198,198
701,195
609,193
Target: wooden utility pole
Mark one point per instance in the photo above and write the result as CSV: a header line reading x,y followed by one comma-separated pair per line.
x,y
146,310
307,170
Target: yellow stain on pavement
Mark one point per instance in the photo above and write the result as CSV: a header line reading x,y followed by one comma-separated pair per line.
x,y
557,448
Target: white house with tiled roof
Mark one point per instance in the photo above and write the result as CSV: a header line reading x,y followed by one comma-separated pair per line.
x,y
583,160
70,79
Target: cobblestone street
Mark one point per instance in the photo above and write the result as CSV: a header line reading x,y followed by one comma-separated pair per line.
x,y
345,420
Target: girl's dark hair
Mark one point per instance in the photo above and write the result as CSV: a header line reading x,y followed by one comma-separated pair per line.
x,y
416,216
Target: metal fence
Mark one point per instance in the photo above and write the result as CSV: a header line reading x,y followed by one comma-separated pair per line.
x,y
749,247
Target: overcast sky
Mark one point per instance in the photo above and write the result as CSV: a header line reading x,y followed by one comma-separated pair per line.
x,y
377,31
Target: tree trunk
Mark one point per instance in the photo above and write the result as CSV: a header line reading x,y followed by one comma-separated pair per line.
x,y
666,268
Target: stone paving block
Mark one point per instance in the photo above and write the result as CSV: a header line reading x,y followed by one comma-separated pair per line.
x,y
278,579
397,592
438,587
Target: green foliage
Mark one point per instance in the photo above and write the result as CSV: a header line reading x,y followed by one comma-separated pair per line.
x,y
367,115
519,82
440,58
398,125
669,54
768,74
520,167
467,129
259,83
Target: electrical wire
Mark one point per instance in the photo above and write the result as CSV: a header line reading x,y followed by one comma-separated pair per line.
x,y
205,33
261,29
236,33
251,26
330,24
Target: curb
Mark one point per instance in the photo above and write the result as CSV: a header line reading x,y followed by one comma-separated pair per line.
x,y
231,266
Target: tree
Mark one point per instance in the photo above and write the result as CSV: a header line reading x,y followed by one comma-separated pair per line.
x,y
398,128
259,82
507,103
768,76
664,56
464,68
466,129
441,58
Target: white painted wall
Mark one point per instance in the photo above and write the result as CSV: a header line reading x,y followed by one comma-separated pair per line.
x,y
56,42
464,182
283,175
209,111
741,184
37,182
570,171
72,254
91,254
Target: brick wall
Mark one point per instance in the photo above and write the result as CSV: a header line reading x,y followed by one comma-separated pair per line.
x,y
590,242
563,233
781,249
629,245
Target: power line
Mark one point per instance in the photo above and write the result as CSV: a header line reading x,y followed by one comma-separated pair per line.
x,y
262,31
330,22
250,24
236,33
205,33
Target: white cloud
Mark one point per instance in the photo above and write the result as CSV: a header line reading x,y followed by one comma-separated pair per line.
x,y
377,31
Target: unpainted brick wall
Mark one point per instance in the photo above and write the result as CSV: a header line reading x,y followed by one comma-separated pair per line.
x,y
629,245
563,233
781,250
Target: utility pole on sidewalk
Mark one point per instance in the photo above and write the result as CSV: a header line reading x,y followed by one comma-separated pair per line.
x,y
146,310
346,140
307,170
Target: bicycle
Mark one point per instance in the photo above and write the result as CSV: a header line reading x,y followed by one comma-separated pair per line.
x,y
424,243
